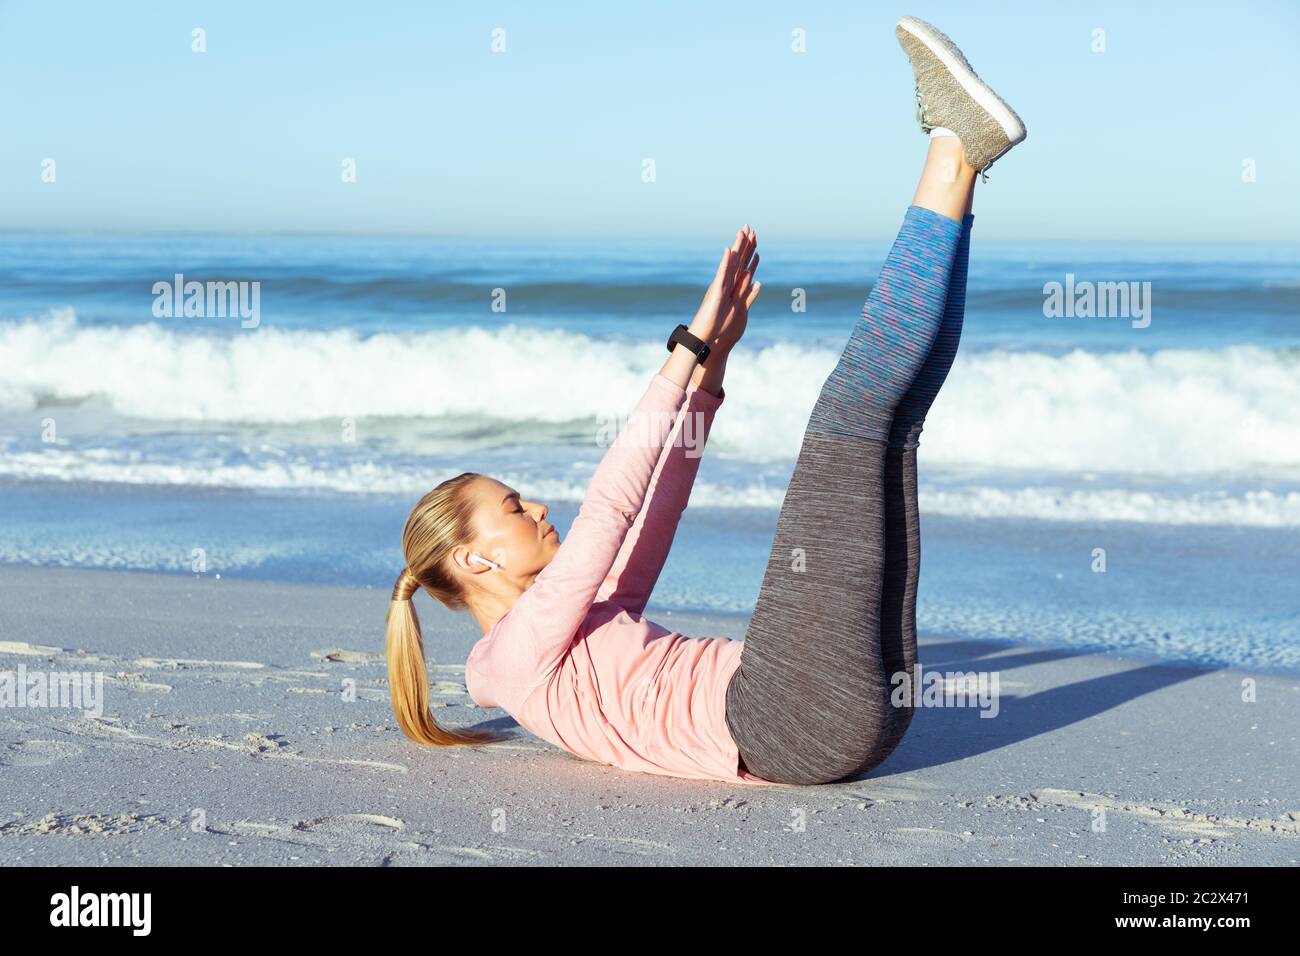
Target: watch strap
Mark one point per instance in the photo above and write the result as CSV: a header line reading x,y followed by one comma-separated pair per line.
x,y
684,335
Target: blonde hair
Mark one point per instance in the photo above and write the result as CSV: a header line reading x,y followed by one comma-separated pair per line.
x,y
439,522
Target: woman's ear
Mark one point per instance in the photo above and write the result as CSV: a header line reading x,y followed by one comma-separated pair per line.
x,y
467,559
461,558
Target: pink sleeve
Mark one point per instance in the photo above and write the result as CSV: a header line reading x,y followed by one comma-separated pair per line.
x,y
641,559
531,639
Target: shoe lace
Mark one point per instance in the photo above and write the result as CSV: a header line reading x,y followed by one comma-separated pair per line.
x,y
925,125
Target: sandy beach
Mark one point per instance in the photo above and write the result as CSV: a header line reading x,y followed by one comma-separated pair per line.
x,y
248,723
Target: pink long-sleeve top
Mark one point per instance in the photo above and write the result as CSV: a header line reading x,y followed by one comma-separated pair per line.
x,y
575,662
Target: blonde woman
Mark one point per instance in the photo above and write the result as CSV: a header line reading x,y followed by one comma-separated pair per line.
x,y
806,697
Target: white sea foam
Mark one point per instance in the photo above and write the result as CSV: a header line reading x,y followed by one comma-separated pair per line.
x,y
1232,411
1175,411
1261,508
1257,508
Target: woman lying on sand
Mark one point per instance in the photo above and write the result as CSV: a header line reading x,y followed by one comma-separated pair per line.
x,y
806,697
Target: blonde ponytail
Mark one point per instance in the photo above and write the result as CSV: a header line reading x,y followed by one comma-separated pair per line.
x,y
439,521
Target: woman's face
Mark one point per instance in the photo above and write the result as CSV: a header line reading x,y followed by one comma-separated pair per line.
x,y
513,531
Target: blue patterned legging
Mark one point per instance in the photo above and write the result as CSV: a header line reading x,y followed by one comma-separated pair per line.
x,y
834,623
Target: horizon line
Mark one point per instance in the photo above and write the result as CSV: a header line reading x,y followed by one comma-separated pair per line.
x,y
316,234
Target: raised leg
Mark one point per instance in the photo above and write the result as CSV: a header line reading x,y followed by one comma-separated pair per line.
x,y
902,516
809,701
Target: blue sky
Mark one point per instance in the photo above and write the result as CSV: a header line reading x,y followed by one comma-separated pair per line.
x,y
1143,141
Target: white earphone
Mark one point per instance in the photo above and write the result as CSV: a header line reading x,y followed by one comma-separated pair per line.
x,y
474,556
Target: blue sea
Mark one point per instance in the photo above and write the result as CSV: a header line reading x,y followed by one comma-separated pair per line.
x,y
1087,482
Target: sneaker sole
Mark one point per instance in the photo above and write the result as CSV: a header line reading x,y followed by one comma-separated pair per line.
x,y
955,62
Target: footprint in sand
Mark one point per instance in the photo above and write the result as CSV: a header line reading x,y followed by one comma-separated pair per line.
x,y
1170,815
36,753
186,663
921,838
32,650
631,845
342,656
910,791
367,831
349,821
375,833
363,693
137,682
261,746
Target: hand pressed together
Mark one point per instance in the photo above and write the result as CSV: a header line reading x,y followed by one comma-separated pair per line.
x,y
724,312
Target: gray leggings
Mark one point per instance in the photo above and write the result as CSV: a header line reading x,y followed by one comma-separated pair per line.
x,y
835,618
809,702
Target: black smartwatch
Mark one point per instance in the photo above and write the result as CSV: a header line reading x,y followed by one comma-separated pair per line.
x,y
683,335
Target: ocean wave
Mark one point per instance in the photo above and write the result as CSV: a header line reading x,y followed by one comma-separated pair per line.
x,y
1260,508
1243,507
1232,411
